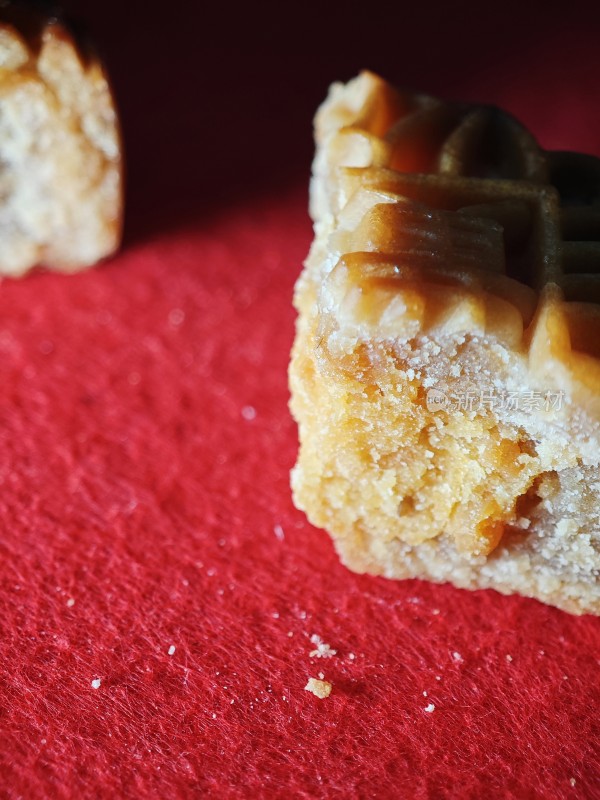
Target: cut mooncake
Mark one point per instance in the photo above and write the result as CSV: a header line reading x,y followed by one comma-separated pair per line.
x,y
60,147
446,371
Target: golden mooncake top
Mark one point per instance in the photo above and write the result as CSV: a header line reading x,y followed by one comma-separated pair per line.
x,y
458,209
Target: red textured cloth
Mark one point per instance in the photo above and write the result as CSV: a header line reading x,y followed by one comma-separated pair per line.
x,y
158,590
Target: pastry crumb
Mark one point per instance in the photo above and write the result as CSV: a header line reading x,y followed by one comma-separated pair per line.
x,y
176,316
323,650
171,650
430,708
320,689
96,683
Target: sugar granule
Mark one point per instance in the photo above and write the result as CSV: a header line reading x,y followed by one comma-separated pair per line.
x,y
249,413
323,650
176,316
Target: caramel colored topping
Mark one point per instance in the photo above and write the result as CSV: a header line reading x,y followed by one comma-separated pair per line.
x,y
456,193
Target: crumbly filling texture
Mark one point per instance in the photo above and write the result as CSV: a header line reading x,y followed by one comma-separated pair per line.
x,y
479,495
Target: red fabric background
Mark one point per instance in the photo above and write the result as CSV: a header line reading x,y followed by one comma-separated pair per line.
x,y
139,504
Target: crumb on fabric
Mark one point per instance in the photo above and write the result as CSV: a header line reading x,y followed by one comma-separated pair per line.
x,y
572,781
430,708
96,683
71,602
320,689
279,532
351,656
509,658
457,656
176,316
323,650
171,650
249,413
